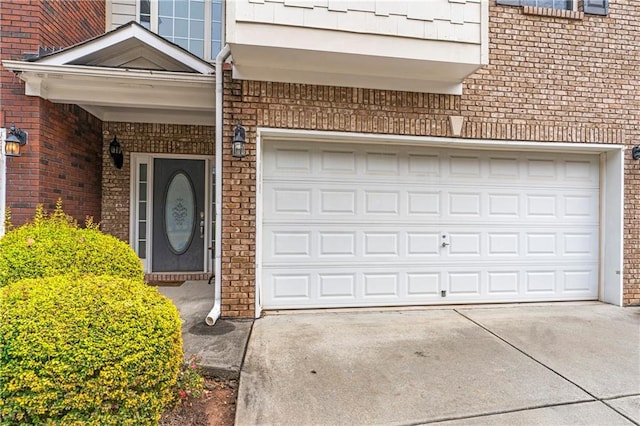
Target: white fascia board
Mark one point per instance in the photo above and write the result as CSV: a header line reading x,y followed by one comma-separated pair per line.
x,y
110,73
437,142
344,42
125,33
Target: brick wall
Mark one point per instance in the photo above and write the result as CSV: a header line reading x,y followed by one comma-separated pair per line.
x,y
299,106
145,138
62,156
575,80
551,79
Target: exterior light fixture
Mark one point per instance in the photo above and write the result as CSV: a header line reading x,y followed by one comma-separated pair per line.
x,y
15,140
239,149
115,150
635,152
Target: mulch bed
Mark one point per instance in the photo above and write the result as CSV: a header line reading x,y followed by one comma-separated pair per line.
x,y
218,409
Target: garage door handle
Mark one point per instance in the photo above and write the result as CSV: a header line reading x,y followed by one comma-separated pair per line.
x,y
444,244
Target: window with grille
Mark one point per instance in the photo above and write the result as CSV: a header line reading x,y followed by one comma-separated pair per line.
x,y
194,25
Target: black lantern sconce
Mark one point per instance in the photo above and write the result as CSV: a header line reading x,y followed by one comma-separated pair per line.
x,y
16,139
115,150
239,149
635,152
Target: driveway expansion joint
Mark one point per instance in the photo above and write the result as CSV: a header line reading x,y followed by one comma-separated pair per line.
x,y
618,411
493,413
496,335
595,398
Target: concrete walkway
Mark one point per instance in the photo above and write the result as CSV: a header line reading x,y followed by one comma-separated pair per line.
x,y
575,363
220,348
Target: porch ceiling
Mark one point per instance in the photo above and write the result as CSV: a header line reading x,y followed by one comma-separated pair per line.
x,y
128,74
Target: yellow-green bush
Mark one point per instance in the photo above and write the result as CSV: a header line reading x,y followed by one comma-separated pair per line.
x,y
86,350
54,244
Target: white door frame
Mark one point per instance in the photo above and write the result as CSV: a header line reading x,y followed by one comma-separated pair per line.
x,y
611,189
138,158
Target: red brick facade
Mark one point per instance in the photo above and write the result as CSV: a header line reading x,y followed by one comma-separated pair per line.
x,y
560,77
63,155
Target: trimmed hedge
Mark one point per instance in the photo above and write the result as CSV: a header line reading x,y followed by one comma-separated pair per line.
x,y
54,245
86,350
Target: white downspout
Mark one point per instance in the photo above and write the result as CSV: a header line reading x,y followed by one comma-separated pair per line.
x,y
213,316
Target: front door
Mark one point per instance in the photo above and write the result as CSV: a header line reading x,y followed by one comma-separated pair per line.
x,y
178,215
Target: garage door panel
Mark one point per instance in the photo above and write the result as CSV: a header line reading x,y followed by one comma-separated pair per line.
x,y
421,165
335,201
381,284
293,160
380,225
578,280
374,201
333,160
381,163
424,203
500,167
380,242
423,285
336,243
423,244
337,286
291,201
352,286
501,283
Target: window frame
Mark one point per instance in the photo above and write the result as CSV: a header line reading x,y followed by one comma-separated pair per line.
x,y
208,27
518,3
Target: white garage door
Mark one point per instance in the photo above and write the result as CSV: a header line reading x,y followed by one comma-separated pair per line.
x,y
369,225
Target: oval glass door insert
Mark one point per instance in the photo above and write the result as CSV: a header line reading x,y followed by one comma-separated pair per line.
x,y
179,212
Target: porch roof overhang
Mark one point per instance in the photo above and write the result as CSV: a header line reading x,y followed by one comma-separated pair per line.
x,y
129,74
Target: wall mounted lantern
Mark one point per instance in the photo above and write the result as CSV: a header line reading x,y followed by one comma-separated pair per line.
x,y
238,149
115,150
635,152
15,140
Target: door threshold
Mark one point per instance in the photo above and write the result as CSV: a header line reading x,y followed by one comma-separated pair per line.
x,y
174,278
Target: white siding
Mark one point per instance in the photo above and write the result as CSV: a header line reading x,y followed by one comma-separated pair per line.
x,y
416,19
120,12
421,46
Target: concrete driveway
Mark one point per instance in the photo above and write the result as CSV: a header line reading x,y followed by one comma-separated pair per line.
x,y
576,363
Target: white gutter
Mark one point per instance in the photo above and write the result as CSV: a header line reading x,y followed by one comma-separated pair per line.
x,y
213,316
58,71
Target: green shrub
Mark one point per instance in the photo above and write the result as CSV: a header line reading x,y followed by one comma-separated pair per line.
x,y
86,350
55,244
